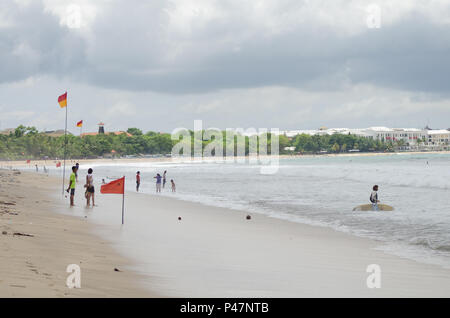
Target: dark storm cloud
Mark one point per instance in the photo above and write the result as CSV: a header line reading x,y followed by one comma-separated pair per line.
x,y
33,43
131,46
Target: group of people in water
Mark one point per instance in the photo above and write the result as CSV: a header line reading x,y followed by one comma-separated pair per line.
x,y
90,190
160,183
158,178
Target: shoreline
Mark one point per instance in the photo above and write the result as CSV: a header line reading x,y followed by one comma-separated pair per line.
x,y
18,163
48,241
216,252
210,252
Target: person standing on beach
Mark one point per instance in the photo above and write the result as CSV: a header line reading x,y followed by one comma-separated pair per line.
x,y
158,182
37,169
138,180
164,179
90,190
173,185
374,198
72,185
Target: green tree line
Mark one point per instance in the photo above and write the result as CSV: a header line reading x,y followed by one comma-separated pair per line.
x,y
29,143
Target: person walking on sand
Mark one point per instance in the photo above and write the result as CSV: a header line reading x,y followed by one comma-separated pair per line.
x,y
37,169
374,198
72,185
90,190
158,182
164,179
173,185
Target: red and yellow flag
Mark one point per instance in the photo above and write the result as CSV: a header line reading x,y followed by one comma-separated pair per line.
x,y
62,100
115,187
80,123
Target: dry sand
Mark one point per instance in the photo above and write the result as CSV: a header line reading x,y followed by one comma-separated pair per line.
x,y
35,266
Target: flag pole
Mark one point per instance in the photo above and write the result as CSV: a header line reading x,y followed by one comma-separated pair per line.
x,y
123,197
65,147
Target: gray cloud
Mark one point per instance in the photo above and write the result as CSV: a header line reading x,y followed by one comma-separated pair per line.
x,y
222,60
130,46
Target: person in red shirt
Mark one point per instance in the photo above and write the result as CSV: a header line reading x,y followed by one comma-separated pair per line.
x,y
138,180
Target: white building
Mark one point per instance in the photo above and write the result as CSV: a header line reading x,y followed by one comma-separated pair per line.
x,y
439,138
410,136
413,138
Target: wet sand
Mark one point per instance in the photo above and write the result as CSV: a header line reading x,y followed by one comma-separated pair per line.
x,y
210,252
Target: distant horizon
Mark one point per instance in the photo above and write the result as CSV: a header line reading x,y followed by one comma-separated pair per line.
x,y
77,129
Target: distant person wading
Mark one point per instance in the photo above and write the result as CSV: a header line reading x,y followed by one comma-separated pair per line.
x,y
374,198
158,182
164,179
138,180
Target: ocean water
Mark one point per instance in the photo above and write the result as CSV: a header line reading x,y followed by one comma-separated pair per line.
x,y
323,191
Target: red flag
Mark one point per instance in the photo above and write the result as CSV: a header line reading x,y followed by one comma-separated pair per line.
x,y
116,186
58,164
28,161
62,100
80,123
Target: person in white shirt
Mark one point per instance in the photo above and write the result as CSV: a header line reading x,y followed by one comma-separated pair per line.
x,y
90,188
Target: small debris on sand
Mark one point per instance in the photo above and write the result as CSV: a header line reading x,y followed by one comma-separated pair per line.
x,y
23,234
7,203
248,217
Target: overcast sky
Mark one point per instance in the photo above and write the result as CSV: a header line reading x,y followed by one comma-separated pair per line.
x,y
289,64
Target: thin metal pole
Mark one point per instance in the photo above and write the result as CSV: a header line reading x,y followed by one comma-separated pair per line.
x,y
123,198
65,147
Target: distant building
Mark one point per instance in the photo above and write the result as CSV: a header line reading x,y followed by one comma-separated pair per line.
x,y
101,128
439,138
51,133
56,133
7,131
106,133
101,131
410,138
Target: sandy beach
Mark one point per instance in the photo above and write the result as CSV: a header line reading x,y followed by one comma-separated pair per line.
x,y
37,245
210,252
